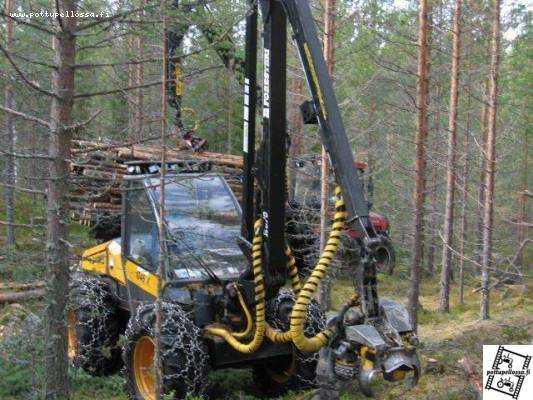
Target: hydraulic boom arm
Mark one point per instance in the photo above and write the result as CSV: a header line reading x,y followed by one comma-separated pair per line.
x,y
377,337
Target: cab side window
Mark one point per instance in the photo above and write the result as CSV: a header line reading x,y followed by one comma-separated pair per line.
x,y
142,235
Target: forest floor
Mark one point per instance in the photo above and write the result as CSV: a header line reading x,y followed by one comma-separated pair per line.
x,y
445,338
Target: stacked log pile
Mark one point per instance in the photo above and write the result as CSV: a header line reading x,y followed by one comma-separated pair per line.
x,y
97,170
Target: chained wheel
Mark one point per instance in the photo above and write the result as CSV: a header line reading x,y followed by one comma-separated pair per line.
x,y
183,354
276,376
93,328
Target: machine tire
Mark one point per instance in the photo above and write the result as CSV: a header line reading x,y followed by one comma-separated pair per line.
x,y
185,359
276,376
93,328
385,256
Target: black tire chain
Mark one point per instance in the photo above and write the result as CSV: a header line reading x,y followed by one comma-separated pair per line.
x,y
316,322
184,355
97,327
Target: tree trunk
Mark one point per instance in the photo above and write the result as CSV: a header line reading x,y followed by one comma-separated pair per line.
x,y
523,219
491,161
296,126
482,171
135,45
466,174
436,105
370,158
56,362
229,116
420,151
10,138
161,268
464,209
329,55
434,187
130,96
140,77
444,305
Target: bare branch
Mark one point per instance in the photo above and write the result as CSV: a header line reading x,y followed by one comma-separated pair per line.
x,y
21,21
29,226
37,62
82,124
105,92
25,116
26,155
24,78
120,90
22,190
108,19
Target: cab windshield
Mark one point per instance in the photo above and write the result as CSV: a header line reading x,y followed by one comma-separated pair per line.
x,y
203,222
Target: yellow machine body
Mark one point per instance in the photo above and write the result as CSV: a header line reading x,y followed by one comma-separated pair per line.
x,y
106,259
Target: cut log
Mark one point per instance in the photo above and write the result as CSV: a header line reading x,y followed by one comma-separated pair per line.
x,y
472,375
22,286
15,297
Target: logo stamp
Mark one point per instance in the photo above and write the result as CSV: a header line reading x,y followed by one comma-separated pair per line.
x,y
506,373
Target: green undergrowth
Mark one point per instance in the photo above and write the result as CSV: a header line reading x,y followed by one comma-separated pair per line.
x,y
25,262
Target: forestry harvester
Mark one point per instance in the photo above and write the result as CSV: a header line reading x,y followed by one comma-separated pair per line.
x,y
207,282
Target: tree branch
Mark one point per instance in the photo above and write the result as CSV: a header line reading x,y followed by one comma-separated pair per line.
x,y
105,92
22,190
25,116
21,74
21,21
109,19
82,124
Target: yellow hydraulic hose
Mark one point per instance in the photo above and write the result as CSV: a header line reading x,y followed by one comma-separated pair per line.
x,y
276,336
249,321
260,324
293,272
299,311
298,316
272,334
